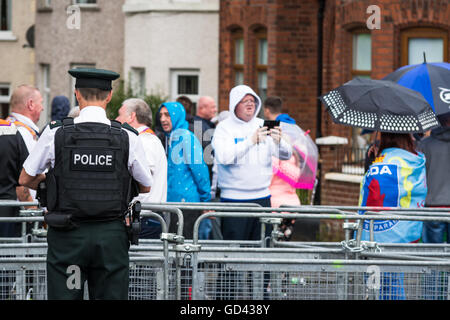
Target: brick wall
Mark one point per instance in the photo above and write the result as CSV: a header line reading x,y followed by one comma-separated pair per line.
x,y
292,41
338,193
343,17
292,33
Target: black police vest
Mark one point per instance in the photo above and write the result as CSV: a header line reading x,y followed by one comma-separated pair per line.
x,y
90,177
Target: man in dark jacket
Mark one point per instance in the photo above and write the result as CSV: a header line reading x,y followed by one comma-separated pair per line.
x,y
203,128
436,148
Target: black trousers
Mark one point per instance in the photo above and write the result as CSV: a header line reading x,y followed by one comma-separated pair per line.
x,y
96,252
230,283
243,228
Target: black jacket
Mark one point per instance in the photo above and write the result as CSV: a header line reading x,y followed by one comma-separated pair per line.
x,y
204,131
436,148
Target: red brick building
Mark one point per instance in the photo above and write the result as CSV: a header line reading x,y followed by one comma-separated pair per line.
x,y
298,49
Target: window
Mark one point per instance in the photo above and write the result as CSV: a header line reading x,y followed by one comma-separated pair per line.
x,y
361,67
238,57
361,54
44,4
73,100
137,81
186,83
5,15
4,100
85,2
261,66
45,88
419,42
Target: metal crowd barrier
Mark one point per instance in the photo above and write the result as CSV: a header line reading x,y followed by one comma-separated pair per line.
x,y
176,268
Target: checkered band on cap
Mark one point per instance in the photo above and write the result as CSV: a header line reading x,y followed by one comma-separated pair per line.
x,y
399,123
335,102
359,118
428,119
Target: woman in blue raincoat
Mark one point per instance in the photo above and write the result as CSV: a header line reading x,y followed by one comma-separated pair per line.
x,y
187,173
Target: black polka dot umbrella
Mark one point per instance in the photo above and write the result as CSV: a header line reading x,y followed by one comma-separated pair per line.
x,y
380,105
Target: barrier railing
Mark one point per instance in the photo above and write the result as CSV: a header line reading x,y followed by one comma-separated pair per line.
x,y
176,268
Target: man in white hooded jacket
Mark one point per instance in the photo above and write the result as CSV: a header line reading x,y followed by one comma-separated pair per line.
x,y
243,149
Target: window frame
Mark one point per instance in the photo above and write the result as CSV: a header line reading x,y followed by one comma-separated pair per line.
x,y
5,100
356,72
45,84
8,16
76,2
174,74
261,34
421,32
44,4
236,35
138,87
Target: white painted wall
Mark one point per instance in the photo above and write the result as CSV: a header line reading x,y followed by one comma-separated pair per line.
x,y
165,35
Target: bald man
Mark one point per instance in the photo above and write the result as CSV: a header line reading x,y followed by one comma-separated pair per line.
x,y
26,107
206,108
203,128
18,135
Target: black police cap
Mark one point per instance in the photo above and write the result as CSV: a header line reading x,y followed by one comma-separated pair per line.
x,y
93,78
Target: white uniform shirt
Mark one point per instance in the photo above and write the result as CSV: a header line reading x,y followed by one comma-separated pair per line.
x,y
156,157
30,142
43,155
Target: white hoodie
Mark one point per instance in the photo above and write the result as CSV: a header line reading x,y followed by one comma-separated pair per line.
x,y
244,169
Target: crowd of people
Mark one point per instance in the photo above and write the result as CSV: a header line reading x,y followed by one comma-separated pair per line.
x,y
208,156
201,157
231,157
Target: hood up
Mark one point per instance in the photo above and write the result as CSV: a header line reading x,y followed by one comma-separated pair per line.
x,y
237,94
177,115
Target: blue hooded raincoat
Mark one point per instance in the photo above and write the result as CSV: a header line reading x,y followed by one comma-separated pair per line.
x,y
187,173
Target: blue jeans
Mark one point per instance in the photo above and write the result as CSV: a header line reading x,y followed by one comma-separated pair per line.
x,y
150,229
204,229
435,232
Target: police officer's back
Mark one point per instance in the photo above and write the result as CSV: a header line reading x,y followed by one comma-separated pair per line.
x,y
93,165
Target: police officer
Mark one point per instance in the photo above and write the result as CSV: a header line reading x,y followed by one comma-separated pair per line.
x,y
93,164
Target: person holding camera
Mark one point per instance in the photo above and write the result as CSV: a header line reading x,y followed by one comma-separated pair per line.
x,y
243,147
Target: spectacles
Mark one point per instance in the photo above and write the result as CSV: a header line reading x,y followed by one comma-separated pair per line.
x,y
248,102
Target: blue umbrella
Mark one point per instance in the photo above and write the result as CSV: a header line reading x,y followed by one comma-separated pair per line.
x,y
432,80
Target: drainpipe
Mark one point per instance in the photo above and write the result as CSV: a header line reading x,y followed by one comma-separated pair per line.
x,y
320,18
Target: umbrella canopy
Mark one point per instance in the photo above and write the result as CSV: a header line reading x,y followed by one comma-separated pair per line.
x,y
381,106
432,80
300,170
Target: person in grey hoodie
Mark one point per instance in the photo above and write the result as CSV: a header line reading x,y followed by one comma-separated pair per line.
x,y
436,148
243,149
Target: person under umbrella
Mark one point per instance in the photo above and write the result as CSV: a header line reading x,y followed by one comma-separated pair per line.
x,y
397,177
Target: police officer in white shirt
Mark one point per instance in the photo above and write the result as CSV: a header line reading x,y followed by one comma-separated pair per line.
x,y
92,164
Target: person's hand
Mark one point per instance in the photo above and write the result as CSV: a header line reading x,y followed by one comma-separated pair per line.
x,y
207,211
260,135
275,133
